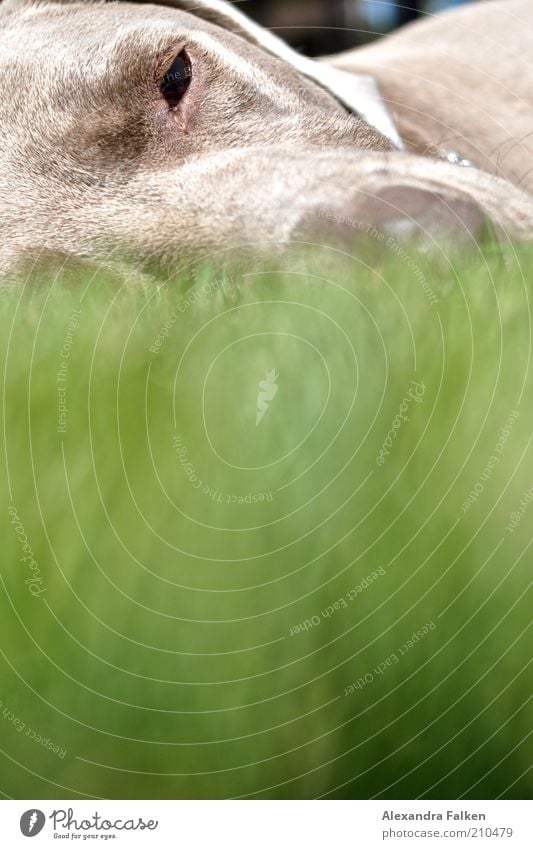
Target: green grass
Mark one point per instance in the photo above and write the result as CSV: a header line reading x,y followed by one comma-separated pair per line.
x,y
157,650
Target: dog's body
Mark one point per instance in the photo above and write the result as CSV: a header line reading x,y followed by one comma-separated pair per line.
x,y
97,156
463,82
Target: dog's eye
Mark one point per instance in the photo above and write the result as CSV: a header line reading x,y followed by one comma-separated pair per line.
x,y
177,80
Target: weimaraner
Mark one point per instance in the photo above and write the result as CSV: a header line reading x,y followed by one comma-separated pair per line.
x,y
154,130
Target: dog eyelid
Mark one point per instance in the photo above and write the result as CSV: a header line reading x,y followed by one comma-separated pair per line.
x,y
177,80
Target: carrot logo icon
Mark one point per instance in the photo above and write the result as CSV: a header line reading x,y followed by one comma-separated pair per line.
x,y
268,389
32,822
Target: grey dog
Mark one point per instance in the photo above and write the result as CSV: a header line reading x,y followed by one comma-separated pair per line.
x,y
160,129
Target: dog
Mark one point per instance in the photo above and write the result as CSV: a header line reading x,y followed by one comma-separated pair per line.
x,y
152,131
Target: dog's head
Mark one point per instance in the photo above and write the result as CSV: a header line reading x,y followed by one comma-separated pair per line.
x,y
160,128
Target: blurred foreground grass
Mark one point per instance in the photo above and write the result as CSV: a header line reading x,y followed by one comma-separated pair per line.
x,y
191,617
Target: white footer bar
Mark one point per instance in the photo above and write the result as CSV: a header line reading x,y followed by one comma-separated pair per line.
x,y
266,824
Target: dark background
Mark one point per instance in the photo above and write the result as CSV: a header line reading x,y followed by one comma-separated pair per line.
x,y
326,26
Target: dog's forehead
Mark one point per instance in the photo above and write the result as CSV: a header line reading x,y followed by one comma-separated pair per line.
x,y
84,29
73,40
82,52
80,27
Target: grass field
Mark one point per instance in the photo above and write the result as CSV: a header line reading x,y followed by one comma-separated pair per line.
x,y
269,534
